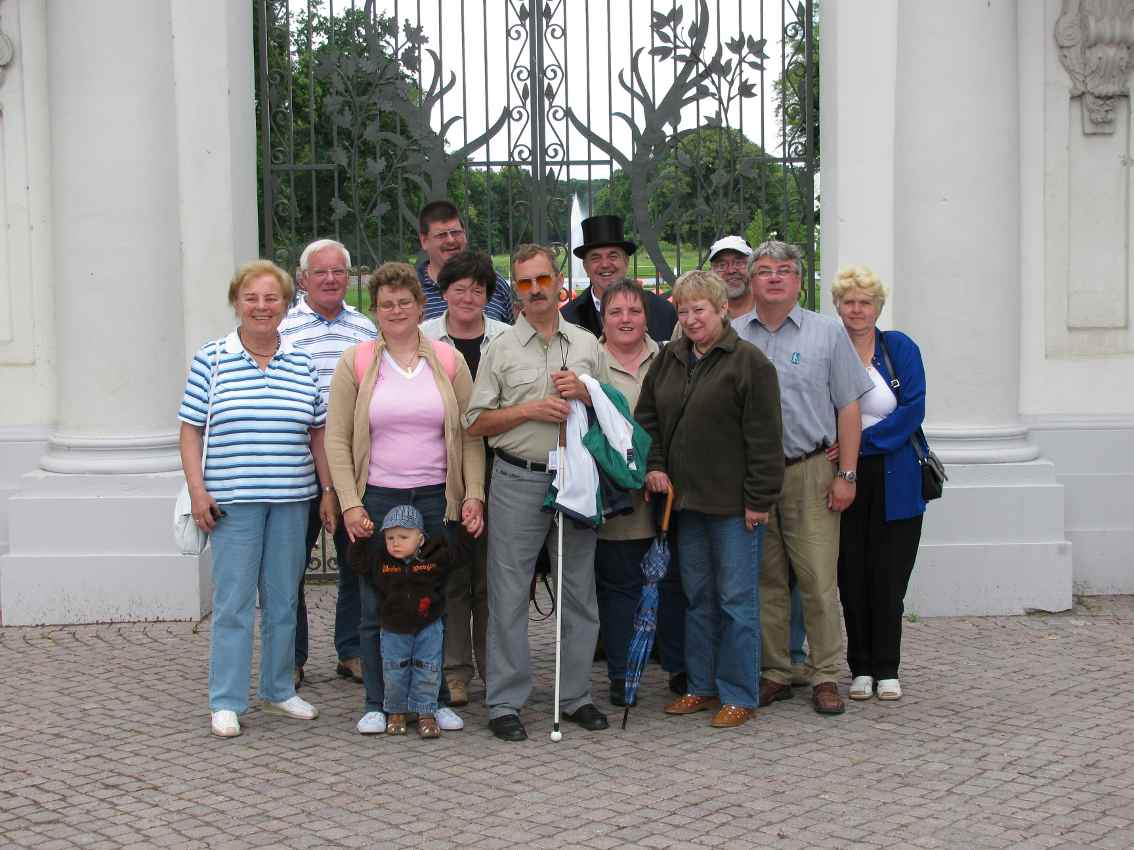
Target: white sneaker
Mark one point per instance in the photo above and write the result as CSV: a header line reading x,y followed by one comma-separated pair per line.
x,y
225,724
296,707
889,689
862,688
372,723
449,720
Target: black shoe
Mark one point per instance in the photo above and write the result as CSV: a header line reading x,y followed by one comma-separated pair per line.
x,y
509,728
589,717
618,693
679,684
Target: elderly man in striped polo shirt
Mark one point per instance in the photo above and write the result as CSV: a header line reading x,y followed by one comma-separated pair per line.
x,y
324,325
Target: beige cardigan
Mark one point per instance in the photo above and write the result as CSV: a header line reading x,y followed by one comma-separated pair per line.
x,y
348,431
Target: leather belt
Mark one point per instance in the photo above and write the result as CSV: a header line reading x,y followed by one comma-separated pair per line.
x,y
520,462
792,461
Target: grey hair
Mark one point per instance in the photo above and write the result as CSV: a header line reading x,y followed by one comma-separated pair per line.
x,y
319,245
773,249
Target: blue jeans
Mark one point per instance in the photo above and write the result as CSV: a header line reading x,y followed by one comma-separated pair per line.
x,y
378,501
796,630
347,605
256,546
671,611
720,570
411,667
618,580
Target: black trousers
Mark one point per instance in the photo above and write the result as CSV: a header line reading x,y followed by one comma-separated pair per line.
x,y
876,559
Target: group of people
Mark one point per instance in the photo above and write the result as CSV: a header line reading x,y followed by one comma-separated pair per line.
x,y
426,446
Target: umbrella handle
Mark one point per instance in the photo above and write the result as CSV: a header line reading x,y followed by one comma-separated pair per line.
x,y
668,509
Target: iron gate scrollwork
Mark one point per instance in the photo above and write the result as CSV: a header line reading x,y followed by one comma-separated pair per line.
x,y
691,120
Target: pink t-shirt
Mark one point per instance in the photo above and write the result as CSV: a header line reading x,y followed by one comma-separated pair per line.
x,y
407,428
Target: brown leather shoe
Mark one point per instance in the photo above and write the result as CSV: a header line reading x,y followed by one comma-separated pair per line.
x,y
350,668
458,693
731,715
826,700
690,704
771,692
427,726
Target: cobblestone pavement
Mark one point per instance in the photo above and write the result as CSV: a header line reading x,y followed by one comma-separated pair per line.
x,y
1014,733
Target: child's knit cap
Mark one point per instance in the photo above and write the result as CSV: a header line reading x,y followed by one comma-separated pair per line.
x,y
404,516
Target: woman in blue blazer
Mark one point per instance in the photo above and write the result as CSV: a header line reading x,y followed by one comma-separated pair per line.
x,y
881,530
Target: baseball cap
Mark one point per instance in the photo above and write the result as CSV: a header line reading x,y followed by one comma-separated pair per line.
x,y
404,516
730,243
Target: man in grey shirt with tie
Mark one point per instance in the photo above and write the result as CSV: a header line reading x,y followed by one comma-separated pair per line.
x,y
821,380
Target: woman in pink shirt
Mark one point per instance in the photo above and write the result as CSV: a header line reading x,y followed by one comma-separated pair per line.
x,y
394,437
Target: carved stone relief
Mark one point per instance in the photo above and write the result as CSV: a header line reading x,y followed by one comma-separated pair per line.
x,y
1094,39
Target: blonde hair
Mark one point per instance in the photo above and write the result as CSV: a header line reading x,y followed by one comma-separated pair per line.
x,y
395,276
256,268
700,284
858,277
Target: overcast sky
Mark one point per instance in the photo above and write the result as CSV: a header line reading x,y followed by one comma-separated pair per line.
x,y
599,37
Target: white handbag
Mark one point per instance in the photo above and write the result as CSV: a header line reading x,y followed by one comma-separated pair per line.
x,y
188,537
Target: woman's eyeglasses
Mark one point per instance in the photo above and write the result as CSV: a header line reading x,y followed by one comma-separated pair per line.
x,y
524,285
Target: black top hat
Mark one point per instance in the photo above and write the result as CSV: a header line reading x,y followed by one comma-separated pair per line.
x,y
600,230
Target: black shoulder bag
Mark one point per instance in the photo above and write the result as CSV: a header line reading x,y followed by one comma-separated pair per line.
x,y
933,475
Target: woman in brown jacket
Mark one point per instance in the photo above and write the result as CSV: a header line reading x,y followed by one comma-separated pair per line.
x,y
711,404
394,437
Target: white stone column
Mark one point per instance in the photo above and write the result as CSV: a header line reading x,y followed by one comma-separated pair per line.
x,y
996,542
153,182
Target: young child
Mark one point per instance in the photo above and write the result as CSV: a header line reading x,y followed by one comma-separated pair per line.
x,y
410,575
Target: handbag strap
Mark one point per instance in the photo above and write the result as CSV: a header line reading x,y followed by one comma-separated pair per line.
x,y
896,386
209,413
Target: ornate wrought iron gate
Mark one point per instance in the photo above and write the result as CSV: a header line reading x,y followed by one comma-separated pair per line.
x,y
689,119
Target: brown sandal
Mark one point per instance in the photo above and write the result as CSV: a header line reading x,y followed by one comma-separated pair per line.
x,y
396,724
427,726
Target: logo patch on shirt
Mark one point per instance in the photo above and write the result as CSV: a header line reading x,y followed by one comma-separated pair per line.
x,y
795,357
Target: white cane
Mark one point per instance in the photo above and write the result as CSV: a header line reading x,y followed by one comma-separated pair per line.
x,y
556,735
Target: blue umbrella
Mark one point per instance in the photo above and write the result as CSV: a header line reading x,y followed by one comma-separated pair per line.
x,y
654,565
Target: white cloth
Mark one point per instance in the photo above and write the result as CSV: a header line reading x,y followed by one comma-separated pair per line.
x,y
576,480
618,432
879,401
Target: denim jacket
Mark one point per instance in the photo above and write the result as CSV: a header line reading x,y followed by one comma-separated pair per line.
x,y
891,436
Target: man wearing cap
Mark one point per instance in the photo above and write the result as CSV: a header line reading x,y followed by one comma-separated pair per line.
x,y
728,257
525,380
821,381
605,253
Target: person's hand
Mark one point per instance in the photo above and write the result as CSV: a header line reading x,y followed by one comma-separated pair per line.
x,y
754,518
833,452
329,510
550,409
656,482
472,516
205,509
840,495
358,523
568,385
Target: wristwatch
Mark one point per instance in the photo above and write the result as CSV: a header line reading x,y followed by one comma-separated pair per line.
x,y
850,476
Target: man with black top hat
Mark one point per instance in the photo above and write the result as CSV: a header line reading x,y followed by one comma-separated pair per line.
x,y
605,253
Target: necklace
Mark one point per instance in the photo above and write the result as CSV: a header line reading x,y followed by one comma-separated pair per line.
x,y
251,350
401,363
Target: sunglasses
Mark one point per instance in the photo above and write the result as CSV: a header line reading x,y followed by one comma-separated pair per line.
x,y
524,285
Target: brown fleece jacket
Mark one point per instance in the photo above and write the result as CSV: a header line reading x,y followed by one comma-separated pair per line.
x,y
715,426
412,591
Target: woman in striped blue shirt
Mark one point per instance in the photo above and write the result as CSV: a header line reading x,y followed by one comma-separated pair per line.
x,y
265,463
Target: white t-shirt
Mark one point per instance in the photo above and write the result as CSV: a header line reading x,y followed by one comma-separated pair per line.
x,y
879,401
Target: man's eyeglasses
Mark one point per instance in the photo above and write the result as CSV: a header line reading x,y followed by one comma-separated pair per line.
x,y
320,274
729,264
782,271
455,233
524,285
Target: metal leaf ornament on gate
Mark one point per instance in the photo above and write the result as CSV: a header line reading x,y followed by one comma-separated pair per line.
x,y
699,78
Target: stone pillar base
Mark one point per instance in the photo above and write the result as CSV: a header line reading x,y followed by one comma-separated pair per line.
x,y
98,548
994,544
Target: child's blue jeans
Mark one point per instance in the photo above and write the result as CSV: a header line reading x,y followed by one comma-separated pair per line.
x,y
411,666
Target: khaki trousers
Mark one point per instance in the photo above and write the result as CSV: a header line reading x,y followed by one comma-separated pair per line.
x,y
804,534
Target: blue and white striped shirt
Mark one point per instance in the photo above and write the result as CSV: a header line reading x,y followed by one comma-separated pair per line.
x,y
499,306
259,445
326,341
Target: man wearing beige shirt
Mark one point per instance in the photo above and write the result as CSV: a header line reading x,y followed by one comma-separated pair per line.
x,y
527,376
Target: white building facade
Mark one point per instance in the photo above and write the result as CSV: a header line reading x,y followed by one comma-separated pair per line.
x,y
976,153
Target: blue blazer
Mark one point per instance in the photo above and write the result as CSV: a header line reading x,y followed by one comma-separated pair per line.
x,y
891,436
